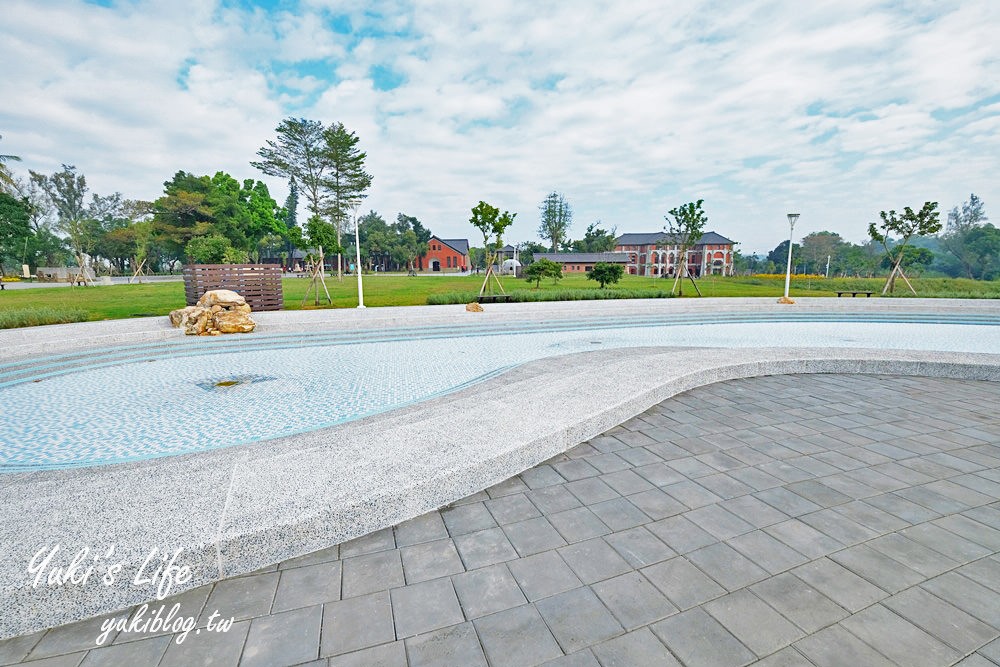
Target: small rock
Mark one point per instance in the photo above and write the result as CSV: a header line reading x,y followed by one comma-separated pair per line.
x,y
231,321
473,307
221,297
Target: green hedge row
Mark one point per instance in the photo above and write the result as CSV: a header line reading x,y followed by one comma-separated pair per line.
x,y
521,296
33,317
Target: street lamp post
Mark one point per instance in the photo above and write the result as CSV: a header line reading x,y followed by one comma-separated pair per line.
x,y
792,218
357,255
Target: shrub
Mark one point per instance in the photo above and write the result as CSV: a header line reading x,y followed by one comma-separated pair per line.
x,y
521,296
33,317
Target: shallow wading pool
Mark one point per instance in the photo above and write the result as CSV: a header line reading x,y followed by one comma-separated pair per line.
x,y
129,403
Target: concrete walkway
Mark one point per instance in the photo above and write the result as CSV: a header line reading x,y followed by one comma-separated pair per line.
x,y
796,520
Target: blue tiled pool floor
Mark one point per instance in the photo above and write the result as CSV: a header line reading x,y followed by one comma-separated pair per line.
x,y
132,403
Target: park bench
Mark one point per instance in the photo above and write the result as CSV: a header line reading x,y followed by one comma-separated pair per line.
x,y
494,298
853,293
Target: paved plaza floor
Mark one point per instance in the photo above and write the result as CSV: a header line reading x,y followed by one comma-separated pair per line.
x,y
791,520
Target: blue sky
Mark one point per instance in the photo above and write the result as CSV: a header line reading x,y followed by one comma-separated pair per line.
x,y
835,110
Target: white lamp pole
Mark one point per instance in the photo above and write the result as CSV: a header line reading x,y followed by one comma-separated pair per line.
x,y
792,218
357,265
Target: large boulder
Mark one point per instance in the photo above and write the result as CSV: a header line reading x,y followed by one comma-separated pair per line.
x,y
218,312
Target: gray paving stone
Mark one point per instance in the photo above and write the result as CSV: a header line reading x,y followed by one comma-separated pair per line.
x,y
516,638
584,658
684,585
944,542
577,619
386,655
804,538
659,474
691,494
609,462
758,627
633,600
725,486
543,575
575,469
719,522
578,524
594,560
839,584
985,572
129,654
836,647
971,530
65,660
786,657
287,638
466,519
306,586
380,540
876,567
967,595
755,512
701,641
626,482
356,623
898,639
639,547
321,556
512,508
533,536
591,491
656,504
552,499
242,597
16,649
992,651
680,534
425,607
915,556
838,527
639,648
941,619
457,645
799,602
371,572
483,548
975,660
767,551
430,560
756,478
208,649
907,510
424,528
619,514
487,591
727,566
639,456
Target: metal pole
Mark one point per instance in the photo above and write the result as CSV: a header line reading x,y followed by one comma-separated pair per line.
x,y
792,217
357,265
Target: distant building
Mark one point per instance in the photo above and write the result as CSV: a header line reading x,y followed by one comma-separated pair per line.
x,y
581,262
655,254
445,255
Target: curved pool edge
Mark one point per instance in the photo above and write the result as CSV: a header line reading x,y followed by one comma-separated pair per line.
x,y
23,343
237,510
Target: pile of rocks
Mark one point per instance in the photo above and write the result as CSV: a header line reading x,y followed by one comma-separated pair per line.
x,y
218,311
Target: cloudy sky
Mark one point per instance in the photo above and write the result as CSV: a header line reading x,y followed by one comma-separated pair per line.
x,y
833,108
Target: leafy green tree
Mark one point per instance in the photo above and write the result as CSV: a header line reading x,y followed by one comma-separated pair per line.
x,y
817,247
542,268
779,255
492,224
409,244
912,258
527,251
983,246
685,226
906,225
557,216
345,180
595,239
606,273
323,235
67,191
300,153
963,223
15,229
211,249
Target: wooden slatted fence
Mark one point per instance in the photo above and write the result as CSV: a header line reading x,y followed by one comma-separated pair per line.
x,y
259,284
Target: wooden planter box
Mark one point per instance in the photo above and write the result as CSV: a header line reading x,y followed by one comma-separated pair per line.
x,y
259,284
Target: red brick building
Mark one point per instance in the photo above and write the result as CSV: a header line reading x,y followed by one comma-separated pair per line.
x,y
581,262
656,255
445,255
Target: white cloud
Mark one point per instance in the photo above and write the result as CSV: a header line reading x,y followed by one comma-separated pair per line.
x,y
627,108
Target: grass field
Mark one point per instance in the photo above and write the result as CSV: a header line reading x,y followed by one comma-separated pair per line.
x,y
124,301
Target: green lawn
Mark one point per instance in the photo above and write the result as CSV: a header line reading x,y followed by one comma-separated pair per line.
x,y
124,301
